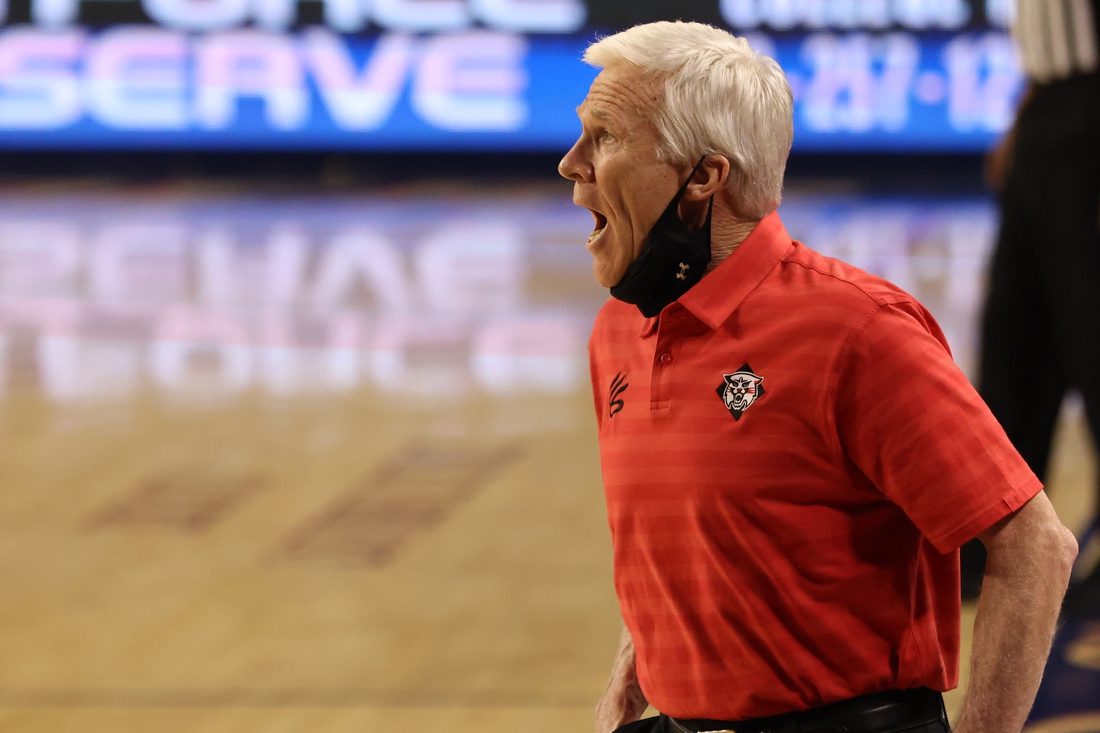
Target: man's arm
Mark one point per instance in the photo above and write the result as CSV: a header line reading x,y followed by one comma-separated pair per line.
x,y
1030,555
622,701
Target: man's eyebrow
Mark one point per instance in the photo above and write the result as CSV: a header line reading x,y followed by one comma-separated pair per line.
x,y
595,113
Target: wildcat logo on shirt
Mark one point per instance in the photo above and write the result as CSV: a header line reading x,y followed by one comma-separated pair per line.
x,y
740,390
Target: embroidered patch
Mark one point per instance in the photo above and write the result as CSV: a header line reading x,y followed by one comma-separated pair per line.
x,y
740,390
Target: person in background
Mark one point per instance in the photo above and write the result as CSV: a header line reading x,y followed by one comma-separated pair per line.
x,y
1041,324
790,457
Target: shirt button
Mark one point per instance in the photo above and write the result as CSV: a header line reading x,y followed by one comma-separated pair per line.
x,y
666,358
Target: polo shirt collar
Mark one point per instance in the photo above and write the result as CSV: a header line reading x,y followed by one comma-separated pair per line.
x,y
714,298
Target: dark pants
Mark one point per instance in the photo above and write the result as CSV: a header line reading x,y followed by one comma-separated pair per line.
x,y
662,724
1041,326
918,710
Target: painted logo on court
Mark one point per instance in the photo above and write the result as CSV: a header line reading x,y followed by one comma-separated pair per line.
x,y
740,390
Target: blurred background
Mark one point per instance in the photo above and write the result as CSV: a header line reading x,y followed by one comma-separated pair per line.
x,y
295,426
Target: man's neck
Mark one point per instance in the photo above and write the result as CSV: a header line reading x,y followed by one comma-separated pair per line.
x,y
726,235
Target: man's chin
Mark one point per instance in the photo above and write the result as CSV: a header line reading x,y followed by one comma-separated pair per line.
x,y
606,277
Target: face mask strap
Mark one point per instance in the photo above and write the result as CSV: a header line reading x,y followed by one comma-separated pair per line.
x,y
683,188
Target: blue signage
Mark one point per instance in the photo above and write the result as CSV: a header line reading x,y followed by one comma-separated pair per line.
x,y
429,83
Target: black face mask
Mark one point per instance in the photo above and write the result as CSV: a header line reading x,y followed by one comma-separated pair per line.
x,y
672,259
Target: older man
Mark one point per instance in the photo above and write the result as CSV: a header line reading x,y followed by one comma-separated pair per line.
x,y
791,459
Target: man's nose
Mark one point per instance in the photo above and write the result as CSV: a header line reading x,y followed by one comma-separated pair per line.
x,y
574,167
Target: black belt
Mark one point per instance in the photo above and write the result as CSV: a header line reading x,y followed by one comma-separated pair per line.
x,y
882,712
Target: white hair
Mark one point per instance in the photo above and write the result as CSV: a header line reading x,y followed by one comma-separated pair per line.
x,y
721,98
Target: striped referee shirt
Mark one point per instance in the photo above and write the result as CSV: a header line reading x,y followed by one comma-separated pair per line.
x,y
1058,38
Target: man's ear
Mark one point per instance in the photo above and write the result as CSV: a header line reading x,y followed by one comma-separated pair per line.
x,y
710,179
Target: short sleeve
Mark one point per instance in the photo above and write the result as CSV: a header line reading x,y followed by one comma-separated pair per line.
x,y
911,422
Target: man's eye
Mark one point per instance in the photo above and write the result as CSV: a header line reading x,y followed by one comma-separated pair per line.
x,y
606,136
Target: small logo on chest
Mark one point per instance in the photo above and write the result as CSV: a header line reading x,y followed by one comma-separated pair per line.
x,y
740,390
618,386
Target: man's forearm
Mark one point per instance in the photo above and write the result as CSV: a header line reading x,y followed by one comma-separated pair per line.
x,y
1027,570
622,701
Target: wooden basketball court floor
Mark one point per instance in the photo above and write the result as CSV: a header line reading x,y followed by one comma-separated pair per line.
x,y
328,463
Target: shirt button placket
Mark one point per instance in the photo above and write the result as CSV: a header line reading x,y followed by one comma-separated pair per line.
x,y
662,375
669,334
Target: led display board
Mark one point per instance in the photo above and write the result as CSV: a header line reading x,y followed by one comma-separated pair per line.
x,y
931,75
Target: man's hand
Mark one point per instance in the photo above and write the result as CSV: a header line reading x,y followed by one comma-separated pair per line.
x,y
622,701
1030,555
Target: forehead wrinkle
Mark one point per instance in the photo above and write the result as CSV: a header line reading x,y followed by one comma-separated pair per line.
x,y
619,101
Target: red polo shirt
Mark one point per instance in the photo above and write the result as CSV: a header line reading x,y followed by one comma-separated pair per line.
x,y
791,461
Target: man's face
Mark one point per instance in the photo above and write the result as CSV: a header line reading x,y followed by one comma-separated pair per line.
x,y
615,169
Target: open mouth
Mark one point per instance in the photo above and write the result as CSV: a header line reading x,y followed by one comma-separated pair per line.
x,y
601,223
